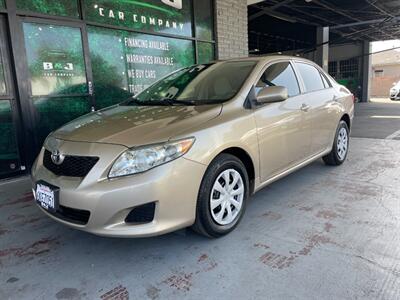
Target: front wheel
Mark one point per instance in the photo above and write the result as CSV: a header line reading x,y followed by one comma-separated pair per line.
x,y
340,146
222,197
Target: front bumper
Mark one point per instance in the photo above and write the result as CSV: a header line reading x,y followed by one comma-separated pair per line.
x,y
173,187
395,95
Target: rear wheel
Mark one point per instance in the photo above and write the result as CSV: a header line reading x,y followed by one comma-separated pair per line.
x,y
222,197
340,146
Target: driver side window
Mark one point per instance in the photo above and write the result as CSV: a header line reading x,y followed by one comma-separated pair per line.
x,y
279,74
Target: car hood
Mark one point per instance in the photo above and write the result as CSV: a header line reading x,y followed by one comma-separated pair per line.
x,y
136,125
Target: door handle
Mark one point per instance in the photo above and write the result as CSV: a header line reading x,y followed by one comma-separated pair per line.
x,y
304,107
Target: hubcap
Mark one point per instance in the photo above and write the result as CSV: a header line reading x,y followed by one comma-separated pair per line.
x,y
226,197
342,143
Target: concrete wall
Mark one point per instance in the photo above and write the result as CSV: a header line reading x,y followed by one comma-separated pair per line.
x,y
346,51
388,70
231,28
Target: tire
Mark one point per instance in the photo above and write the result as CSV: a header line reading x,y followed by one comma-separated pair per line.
x,y
340,146
214,223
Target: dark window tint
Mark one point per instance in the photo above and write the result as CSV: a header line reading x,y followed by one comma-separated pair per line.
x,y
311,77
280,74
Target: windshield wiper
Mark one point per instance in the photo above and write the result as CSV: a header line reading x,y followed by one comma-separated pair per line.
x,y
161,102
179,102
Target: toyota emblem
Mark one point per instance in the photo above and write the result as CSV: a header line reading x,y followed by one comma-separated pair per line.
x,y
57,158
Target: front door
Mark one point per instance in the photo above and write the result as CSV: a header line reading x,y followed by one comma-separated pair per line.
x,y
10,160
59,80
283,128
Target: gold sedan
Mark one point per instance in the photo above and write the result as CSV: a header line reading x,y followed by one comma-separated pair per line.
x,y
192,148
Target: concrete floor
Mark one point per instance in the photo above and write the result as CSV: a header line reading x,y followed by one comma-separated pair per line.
x,y
379,119
321,233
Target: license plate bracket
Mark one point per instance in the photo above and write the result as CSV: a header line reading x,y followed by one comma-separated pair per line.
x,y
47,196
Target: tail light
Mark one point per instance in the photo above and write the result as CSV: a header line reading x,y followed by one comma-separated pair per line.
x,y
354,98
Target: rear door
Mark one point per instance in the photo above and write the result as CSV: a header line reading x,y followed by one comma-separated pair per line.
x,y
283,131
319,101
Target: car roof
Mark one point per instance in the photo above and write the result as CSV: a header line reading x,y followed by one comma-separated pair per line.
x,y
268,58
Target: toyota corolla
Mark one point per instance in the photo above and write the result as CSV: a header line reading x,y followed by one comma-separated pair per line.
x,y
192,148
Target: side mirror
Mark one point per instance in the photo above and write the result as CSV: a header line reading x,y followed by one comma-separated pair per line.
x,y
272,94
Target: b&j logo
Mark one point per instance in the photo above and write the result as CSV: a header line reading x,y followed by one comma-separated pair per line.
x,y
174,3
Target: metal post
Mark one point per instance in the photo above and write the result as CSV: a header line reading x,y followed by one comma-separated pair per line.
x,y
366,71
322,53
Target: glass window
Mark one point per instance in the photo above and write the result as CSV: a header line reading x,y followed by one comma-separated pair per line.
x,y
2,5
205,52
132,62
311,77
280,74
67,8
200,84
326,82
204,21
165,16
9,157
52,113
55,59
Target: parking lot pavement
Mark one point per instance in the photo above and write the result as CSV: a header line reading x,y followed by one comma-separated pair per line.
x,y
379,119
321,233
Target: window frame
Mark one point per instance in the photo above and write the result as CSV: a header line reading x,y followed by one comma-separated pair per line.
x,y
320,71
271,63
325,80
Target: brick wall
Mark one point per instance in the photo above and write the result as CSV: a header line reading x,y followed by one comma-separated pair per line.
x,y
231,28
381,85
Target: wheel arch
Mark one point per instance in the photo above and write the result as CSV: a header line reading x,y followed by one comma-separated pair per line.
x,y
247,161
346,118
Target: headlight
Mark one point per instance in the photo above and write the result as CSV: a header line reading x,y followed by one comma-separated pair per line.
x,y
138,160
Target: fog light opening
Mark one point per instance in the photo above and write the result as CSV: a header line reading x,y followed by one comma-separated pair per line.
x,y
141,214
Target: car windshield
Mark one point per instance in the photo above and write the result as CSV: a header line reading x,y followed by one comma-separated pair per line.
x,y
196,85
397,85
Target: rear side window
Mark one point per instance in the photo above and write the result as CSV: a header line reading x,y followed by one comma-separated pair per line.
x,y
280,74
311,77
325,80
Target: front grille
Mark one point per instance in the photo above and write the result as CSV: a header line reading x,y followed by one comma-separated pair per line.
x,y
72,166
72,215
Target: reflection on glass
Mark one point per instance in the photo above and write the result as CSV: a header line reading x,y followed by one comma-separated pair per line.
x,y
67,8
3,86
166,16
9,157
204,21
52,113
132,62
55,58
279,74
199,84
205,52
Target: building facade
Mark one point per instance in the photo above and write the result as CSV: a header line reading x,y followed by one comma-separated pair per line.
x,y
62,59
385,72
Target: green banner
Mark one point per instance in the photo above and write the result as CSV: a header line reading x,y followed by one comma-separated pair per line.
x,y
55,59
163,16
132,61
66,8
